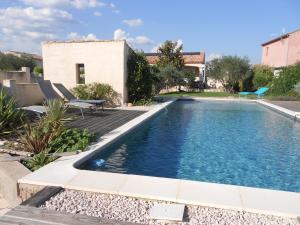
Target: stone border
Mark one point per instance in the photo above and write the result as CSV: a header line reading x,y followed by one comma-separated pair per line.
x,y
292,114
63,173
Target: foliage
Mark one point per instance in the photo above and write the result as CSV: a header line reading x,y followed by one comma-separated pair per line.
x,y
39,160
170,54
285,83
38,138
38,70
229,70
55,112
11,62
142,102
263,75
72,140
170,76
189,78
297,88
139,82
96,91
10,116
247,83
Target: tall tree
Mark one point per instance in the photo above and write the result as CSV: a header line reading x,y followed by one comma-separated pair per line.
x,y
229,70
170,54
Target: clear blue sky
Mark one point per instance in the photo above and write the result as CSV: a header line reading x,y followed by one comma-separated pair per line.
x,y
217,27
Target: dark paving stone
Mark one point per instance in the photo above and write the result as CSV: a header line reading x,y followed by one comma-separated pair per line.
x,y
102,122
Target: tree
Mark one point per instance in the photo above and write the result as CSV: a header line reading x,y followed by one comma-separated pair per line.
x,y
170,76
170,54
139,80
262,75
11,62
229,70
38,71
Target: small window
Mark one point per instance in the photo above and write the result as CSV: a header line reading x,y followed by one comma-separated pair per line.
x,y
80,73
267,51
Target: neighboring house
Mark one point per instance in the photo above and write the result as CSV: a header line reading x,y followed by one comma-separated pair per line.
x,y
36,58
282,51
81,62
193,61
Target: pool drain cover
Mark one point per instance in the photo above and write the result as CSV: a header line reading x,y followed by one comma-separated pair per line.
x,y
167,212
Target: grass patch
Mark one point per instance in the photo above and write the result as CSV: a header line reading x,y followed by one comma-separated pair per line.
x,y
199,94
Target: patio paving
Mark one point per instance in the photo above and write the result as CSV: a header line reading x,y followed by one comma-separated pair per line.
x,y
102,122
291,105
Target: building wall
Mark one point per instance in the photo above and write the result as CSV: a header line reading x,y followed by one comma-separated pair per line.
x,y
275,54
283,52
25,93
22,76
104,62
294,48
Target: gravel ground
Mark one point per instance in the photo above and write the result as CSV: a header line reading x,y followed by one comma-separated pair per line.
x,y
136,210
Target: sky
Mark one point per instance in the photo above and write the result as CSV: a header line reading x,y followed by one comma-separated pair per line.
x,y
216,27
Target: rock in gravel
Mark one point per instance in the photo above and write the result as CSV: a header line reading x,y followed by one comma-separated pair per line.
x,y
137,210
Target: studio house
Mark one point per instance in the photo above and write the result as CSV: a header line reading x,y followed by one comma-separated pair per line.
x,y
83,62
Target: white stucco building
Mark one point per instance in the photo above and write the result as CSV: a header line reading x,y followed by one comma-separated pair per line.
x,y
81,62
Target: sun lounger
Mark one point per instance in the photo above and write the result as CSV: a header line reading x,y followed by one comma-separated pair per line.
x,y
39,110
260,92
50,94
71,98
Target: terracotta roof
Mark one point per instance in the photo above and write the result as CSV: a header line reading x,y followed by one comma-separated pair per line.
x,y
279,38
188,57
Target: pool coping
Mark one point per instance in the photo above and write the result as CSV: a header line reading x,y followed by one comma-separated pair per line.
x,y
256,200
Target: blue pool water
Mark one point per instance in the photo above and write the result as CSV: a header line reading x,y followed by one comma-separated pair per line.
x,y
222,142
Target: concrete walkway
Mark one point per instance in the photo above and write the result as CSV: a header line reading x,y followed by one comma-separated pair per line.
x,y
291,105
4,206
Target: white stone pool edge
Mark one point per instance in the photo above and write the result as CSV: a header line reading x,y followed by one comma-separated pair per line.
x,y
63,173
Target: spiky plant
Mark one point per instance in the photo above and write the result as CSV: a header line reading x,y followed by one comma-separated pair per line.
x,y
56,111
10,116
39,160
38,138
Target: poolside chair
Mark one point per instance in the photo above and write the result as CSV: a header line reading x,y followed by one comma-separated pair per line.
x,y
71,98
50,94
260,92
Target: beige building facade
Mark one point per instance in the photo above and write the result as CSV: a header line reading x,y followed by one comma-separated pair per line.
x,y
82,62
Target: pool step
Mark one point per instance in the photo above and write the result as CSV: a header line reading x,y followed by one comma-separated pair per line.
x,y
173,212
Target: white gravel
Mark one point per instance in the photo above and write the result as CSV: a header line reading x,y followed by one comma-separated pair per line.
x,y
136,210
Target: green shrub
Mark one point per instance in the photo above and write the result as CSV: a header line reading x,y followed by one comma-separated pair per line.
x,y
285,83
97,91
11,62
263,75
142,102
297,88
72,140
56,111
139,82
10,116
39,160
38,137
247,83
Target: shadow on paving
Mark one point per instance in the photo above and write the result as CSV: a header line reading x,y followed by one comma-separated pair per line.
x,y
102,122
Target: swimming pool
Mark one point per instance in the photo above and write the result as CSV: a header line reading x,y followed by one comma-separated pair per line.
x,y
239,143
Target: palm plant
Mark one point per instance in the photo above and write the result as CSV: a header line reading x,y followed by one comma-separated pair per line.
x,y
10,116
37,138
56,111
39,160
